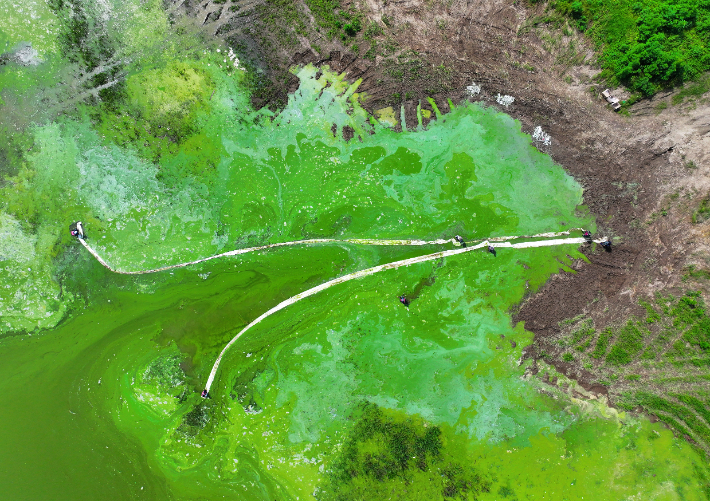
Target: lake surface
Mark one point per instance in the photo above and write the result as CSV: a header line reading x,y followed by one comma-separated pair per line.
x,y
102,373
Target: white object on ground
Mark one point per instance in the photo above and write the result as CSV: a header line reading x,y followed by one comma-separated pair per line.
x,y
505,100
541,136
473,89
235,60
614,102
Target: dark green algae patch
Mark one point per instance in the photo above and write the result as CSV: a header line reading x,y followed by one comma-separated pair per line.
x,y
327,398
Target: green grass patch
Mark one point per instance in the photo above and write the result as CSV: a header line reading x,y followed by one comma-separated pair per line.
x,y
602,345
339,22
551,18
702,213
584,346
652,315
585,331
692,271
679,349
649,354
573,320
673,424
692,90
677,410
626,401
699,362
689,312
695,403
688,316
695,378
284,20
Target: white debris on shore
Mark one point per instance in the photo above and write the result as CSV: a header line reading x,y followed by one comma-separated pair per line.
x,y
541,136
473,89
23,54
505,100
235,60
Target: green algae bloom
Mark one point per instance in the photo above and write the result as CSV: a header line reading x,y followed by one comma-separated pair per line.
x,y
327,399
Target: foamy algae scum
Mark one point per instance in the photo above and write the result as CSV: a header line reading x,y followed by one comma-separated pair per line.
x,y
101,373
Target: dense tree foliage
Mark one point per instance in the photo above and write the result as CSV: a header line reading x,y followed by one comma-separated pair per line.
x,y
646,45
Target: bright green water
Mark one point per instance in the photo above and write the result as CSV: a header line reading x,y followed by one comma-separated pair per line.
x,y
97,406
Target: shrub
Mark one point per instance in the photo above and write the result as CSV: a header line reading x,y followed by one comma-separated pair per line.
x,y
646,46
373,30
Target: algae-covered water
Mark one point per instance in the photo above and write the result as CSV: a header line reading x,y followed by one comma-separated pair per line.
x,y
344,395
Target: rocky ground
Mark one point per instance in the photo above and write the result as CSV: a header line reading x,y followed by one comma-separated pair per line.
x,y
645,171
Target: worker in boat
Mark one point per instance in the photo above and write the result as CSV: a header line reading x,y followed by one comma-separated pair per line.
x,y
80,229
607,245
205,393
460,240
492,250
587,236
403,299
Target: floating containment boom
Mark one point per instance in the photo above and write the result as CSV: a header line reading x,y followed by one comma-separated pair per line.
x,y
494,242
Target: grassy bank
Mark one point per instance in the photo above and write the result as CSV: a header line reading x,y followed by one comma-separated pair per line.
x,y
646,46
657,362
